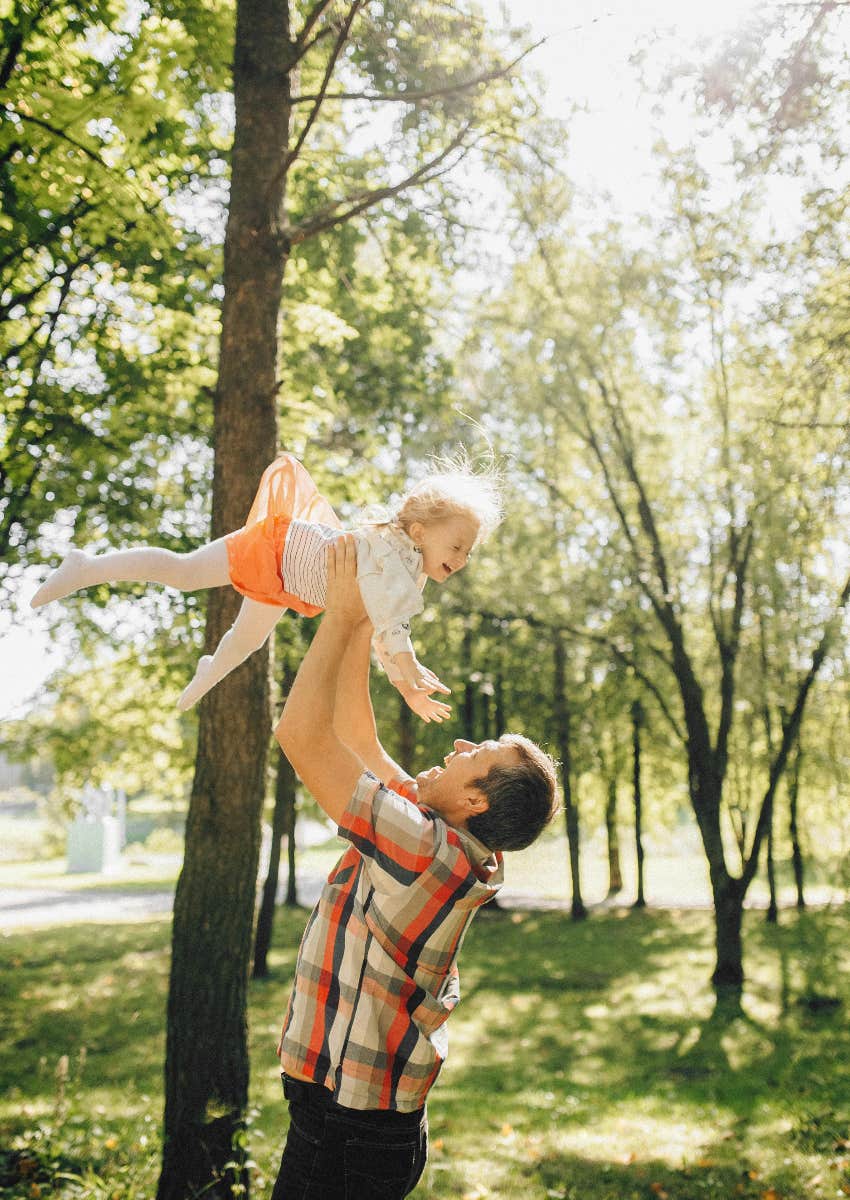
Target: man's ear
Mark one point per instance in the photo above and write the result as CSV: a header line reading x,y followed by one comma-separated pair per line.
x,y
476,802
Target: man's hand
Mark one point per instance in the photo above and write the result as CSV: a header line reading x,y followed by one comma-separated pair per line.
x,y
343,592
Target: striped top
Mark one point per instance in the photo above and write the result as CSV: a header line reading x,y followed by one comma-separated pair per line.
x,y
376,976
389,575
304,568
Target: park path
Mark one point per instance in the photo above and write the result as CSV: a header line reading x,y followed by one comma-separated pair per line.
x,y
26,907
29,907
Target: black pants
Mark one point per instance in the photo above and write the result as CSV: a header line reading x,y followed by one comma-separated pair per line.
x,y
338,1153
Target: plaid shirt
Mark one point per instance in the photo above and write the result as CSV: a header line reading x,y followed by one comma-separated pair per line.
x,y
376,976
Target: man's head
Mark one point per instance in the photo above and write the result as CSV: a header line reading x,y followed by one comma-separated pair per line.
x,y
502,791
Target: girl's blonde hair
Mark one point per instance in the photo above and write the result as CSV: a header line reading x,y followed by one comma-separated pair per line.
x,y
454,488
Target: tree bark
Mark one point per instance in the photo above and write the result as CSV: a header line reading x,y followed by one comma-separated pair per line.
x,y
615,875
499,703
793,830
729,911
772,914
282,823
291,897
206,1069
637,724
571,816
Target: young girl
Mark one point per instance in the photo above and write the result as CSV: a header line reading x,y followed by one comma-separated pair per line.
x,y
277,560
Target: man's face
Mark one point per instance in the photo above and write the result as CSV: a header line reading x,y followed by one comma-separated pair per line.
x,y
449,790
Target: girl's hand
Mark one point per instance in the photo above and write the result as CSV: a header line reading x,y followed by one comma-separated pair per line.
x,y
425,706
414,675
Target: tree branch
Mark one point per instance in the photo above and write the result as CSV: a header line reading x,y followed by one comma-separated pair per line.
x,y
343,31
729,649
451,89
599,639
790,731
59,133
313,16
331,216
16,43
49,230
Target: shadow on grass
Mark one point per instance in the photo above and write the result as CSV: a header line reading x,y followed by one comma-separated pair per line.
x,y
588,1060
570,1177
614,1034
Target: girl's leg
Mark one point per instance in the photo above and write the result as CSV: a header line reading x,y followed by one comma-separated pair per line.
x,y
203,568
248,632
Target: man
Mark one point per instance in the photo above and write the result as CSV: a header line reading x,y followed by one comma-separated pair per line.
x,y
364,1036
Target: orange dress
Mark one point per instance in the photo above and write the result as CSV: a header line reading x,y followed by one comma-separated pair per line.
x,y
255,552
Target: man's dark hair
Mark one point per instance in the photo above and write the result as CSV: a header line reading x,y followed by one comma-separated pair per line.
x,y
521,798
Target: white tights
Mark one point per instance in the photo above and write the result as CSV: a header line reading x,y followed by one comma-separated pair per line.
x,y
203,568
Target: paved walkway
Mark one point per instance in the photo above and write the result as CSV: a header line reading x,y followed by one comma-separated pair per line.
x,y
29,907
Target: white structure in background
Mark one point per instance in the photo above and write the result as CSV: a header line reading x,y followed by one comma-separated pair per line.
x,y
98,833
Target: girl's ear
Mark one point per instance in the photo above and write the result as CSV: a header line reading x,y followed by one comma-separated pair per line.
x,y
415,530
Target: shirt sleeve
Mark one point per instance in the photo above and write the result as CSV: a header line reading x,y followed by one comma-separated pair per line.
x,y
390,643
398,841
390,593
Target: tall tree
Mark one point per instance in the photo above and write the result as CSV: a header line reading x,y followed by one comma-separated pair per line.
x,y
206,1055
627,404
637,798
283,825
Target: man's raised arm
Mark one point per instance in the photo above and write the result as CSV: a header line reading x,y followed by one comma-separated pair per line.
x,y
354,717
328,768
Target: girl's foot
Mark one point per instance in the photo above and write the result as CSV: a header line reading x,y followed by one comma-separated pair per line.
x,y
199,686
67,578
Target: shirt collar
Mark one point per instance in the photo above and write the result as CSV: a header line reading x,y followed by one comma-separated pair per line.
x,y
488,864
402,538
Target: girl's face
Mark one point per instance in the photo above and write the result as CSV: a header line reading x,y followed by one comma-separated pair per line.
x,y
445,544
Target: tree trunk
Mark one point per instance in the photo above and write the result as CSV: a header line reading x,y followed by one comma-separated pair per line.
x,y
637,724
615,875
291,897
571,816
772,915
486,724
729,910
282,823
206,1069
796,852
499,703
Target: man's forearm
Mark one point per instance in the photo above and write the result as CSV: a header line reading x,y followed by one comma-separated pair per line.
x,y
354,716
312,698
326,765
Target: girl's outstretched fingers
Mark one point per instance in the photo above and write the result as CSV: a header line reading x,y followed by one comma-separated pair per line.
x,y
433,684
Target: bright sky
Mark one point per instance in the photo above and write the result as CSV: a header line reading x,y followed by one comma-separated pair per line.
x,y
585,60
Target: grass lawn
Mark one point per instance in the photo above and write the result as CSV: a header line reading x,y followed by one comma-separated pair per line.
x,y
587,1063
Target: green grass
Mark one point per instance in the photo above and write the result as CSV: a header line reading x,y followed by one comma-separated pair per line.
x,y
588,1061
